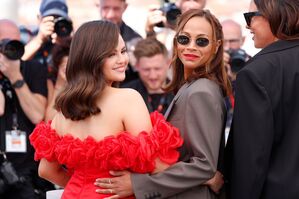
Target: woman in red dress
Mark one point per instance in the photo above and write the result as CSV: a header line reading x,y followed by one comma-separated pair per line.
x,y
99,127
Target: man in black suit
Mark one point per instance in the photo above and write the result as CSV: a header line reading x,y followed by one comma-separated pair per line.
x,y
263,150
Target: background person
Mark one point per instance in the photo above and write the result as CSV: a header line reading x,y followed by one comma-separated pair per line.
x,y
263,142
235,59
55,28
234,56
152,64
198,110
39,47
60,53
23,85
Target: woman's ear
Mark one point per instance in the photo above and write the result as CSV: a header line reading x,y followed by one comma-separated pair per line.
x,y
218,43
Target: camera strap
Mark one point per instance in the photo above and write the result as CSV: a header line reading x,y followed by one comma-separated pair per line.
x,y
3,155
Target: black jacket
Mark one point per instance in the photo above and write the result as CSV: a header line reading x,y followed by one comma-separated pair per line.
x,y
263,146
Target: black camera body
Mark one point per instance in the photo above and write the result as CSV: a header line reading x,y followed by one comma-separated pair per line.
x,y
8,175
171,11
12,49
63,27
238,58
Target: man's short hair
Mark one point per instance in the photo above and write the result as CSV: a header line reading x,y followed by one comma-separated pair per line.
x,y
149,47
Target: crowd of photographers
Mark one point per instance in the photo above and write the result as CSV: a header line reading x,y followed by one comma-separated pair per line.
x,y
32,75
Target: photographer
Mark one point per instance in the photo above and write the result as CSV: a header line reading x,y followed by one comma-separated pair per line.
x,y
234,56
24,102
54,26
235,59
161,20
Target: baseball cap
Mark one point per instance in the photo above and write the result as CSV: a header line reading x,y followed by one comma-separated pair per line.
x,y
54,7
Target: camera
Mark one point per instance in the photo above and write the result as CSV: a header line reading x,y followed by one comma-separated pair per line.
x,y
8,175
63,27
12,49
171,11
238,58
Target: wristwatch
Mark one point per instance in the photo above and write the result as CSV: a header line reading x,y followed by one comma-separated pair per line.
x,y
18,84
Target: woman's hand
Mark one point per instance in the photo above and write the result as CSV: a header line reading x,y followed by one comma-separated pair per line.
x,y
119,186
160,166
216,182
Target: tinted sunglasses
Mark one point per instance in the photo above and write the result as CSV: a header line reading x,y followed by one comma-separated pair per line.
x,y
248,16
200,42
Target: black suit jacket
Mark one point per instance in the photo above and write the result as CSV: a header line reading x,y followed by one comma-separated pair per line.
x,y
263,145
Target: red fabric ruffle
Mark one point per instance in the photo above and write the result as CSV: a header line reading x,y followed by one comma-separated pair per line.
x,y
124,151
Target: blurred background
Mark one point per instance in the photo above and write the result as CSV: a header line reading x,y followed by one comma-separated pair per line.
x,y
24,12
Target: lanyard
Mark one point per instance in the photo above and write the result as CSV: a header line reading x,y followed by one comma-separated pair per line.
x,y
11,96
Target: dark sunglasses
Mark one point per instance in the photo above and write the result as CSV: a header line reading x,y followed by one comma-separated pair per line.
x,y
200,42
248,16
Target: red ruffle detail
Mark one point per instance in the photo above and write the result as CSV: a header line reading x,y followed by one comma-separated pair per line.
x,y
124,151
44,140
166,138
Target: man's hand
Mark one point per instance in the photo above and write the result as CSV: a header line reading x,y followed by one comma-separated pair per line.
x,y
119,186
10,68
46,28
154,17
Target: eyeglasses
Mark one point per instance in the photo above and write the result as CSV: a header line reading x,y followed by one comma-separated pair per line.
x,y
248,16
200,42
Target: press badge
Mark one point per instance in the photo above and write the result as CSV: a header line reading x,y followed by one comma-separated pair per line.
x,y
15,141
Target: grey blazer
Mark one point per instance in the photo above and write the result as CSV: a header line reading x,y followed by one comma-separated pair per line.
x,y
198,110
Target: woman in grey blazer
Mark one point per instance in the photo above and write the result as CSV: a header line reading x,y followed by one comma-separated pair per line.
x,y
198,110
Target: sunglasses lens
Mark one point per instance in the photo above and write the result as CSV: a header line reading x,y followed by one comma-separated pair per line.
x,y
247,17
183,40
202,42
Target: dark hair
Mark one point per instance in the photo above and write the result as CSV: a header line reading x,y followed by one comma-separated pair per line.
x,y
59,51
283,17
214,68
92,43
149,47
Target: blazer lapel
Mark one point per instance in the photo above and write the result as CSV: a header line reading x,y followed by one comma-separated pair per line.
x,y
176,97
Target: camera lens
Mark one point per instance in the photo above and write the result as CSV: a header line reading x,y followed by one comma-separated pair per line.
x,y
171,11
237,59
63,27
172,15
12,49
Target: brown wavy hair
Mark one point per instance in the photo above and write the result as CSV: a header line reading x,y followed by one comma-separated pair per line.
x,y
92,43
59,51
214,68
283,17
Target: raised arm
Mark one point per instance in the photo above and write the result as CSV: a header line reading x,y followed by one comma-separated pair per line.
x,y
2,102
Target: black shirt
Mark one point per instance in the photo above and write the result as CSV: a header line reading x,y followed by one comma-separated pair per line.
x,y
154,102
35,77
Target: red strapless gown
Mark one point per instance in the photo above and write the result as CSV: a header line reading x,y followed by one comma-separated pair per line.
x,y
90,159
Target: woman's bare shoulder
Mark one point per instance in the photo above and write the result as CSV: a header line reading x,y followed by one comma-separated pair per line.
x,y
127,94
58,122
